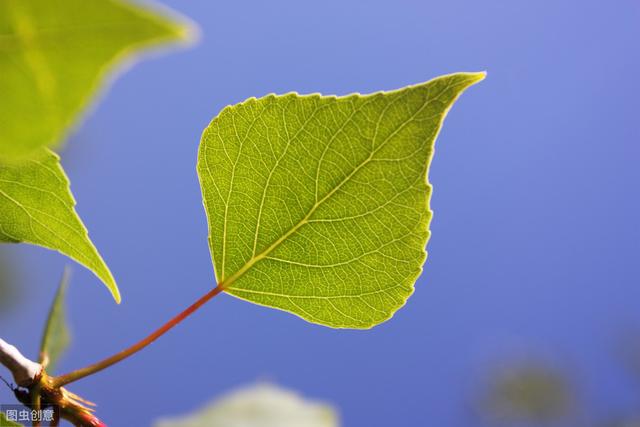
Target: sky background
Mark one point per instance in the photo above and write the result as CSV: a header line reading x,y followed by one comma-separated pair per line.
x,y
535,239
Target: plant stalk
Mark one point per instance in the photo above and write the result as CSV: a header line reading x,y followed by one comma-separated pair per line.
x,y
118,357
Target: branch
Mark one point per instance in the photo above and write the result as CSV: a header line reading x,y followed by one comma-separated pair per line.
x,y
25,372
31,375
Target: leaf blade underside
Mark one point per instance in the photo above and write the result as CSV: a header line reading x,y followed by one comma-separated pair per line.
x,y
37,207
320,205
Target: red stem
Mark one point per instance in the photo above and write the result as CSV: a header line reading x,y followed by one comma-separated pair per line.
x,y
103,364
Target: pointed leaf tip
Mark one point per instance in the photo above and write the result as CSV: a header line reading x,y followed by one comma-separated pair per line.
x,y
37,207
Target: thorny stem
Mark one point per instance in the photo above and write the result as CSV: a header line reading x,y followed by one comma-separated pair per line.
x,y
118,357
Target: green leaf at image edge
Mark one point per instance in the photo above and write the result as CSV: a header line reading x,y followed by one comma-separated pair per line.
x,y
319,205
56,336
4,422
37,207
55,56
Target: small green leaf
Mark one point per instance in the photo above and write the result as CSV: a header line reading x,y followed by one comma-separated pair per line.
x,y
56,337
54,56
319,205
261,405
4,422
36,206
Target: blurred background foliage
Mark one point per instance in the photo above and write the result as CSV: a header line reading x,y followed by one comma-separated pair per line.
x,y
528,392
259,405
537,393
9,278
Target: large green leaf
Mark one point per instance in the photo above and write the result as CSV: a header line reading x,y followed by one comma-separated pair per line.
x,y
319,205
56,336
36,206
261,405
54,55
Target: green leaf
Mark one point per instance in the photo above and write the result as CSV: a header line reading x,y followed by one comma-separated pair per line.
x,y
36,206
4,422
56,337
319,205
262,405
54,56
